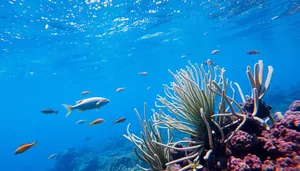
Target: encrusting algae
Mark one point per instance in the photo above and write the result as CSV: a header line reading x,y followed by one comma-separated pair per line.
x,y
201,103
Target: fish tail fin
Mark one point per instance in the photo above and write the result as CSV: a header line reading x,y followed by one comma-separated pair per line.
x,y
90,124
56,112
35,143
69,109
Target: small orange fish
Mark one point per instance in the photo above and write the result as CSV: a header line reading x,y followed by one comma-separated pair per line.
x,y
86,92
143,73
24,147
97,121
120,89
119,120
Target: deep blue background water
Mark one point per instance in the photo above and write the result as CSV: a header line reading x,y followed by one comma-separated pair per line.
x,y
103,45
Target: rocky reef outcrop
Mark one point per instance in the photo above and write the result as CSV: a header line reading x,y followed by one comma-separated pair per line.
x,y
256,149
265,150
270,150
112,154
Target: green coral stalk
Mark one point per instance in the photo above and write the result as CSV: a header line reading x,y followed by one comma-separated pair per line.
x,y
146,147
192,104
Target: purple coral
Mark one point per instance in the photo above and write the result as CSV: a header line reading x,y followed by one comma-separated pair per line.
x,y
268,165
241,141
292,116
282,141
263,108
253,162
249,162
237,164
276,149
295,106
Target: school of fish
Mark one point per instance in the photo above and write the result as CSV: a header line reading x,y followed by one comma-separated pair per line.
x,y
95,103
90,103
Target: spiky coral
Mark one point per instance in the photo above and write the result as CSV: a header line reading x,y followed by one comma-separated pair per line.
x,y
156,156
198,105
192,105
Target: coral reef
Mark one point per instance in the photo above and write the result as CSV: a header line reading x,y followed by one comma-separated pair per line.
x,y
110,155
276,149
224,134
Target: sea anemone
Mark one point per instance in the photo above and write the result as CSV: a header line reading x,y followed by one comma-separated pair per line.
x,y
198,105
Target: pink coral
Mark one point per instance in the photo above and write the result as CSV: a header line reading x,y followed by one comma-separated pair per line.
x,y
249,162
237,164
295,106
174,167
253,162
268,165
241,141
276,149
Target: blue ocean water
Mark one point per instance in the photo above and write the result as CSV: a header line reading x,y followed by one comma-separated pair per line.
x,y
52,50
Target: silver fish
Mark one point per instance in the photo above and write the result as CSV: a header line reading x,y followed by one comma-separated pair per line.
x,y
86,92
80,121
87,104
52,156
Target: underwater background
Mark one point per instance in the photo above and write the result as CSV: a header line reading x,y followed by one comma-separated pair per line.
x,y
52,50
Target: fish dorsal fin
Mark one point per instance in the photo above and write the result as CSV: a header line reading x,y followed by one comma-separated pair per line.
x,y
79,101
25,144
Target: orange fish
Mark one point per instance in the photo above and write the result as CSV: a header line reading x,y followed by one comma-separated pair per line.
x,y
119,120
97,121
143,73
24,147
120,89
